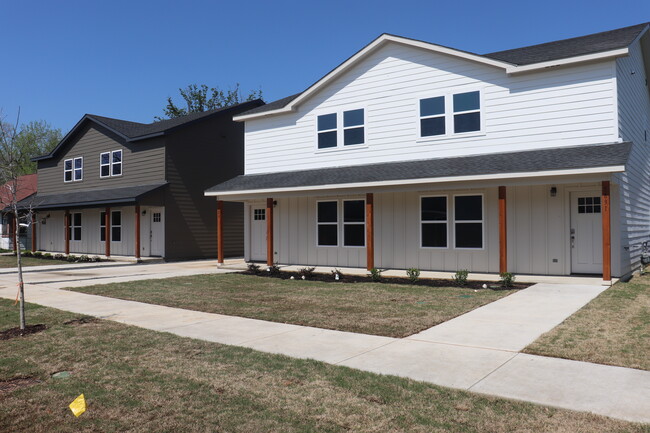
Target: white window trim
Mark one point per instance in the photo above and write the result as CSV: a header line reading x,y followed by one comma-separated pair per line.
x,y
66,171
121,163
338,220
116,225
449,115
72,227
482,221
343,223
102,226
446,221
104,165
74,169
340,134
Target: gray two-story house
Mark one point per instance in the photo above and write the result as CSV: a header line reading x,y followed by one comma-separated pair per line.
x,y
114,187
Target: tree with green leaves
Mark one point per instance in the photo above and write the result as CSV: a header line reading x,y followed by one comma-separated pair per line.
x,y
199,98
35,138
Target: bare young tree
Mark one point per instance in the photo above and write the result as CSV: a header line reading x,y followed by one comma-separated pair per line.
x,y
12,157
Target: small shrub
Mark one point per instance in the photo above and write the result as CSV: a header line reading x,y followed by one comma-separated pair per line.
x,y
460,277
413,274
307,273
96,259
27,253
254,268
38,254
59,257
84,258
273,270
337,274
375,274
506,279
72,258
47,256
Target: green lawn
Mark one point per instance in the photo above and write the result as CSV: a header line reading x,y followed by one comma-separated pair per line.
x,y
612,329
140,380
10,262
370,308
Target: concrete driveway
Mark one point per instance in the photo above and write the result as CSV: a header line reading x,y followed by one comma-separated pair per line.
x,y
478,351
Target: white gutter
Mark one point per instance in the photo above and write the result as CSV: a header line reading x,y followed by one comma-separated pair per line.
x,y
385,183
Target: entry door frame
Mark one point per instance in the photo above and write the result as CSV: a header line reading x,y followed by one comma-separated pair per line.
x,y
252,230
161,226
568,206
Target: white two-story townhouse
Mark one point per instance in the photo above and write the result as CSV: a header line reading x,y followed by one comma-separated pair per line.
x,y
534,160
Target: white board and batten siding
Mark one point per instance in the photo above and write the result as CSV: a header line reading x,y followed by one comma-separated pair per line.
x,y
538,232
634,126
561,107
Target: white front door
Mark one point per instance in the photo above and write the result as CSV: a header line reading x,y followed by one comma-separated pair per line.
x,y
258,233
586,233
157,232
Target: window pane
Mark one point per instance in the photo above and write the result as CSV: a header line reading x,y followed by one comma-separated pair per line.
x,y
77,234
117,156
117,169
469,235
327,212
102,218
434,235
353,211
468,207
467,122
104,158
77,174
68,176
116,234
432,106
354,235
326,139
433,126
76,219
327,234
353,136
328,121
102,234
68,164
466,101
77,162
116,218
104,170
353,117
434,208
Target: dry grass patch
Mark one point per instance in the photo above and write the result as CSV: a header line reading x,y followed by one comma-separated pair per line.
x,y
143,381
612,329
392,310
10,262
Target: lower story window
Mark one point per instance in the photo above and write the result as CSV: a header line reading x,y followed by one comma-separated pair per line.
x,y
75,227
468,221
116,226
354,223
433,220
328,223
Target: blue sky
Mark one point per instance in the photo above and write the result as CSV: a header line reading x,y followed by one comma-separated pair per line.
x,y
61,59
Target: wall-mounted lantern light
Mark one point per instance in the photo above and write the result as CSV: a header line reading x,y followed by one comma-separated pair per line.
x,y
553,191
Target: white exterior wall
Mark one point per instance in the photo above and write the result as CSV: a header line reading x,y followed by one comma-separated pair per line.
x,y
51,235
634,184
538,232
560,107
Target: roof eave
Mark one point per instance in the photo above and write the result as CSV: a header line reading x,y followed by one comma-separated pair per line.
x,y
604,55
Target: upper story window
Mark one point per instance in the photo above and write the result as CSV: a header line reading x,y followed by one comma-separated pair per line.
x,y
73,169
450,114
110,163
345,128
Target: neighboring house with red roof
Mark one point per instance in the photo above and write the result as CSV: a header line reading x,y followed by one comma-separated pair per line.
x,y
25,188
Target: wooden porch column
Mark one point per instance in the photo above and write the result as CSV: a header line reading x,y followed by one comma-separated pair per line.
x,y
33,231
14,227
137,231
503,231
107,231
269,232
607,234
370,231
220,231
66,218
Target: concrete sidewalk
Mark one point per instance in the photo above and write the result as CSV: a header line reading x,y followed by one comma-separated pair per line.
x,y
462,353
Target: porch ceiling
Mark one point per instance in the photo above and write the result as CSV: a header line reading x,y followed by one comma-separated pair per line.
x,y
90,197
604,158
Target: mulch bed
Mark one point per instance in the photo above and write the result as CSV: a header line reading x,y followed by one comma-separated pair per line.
x,y
17,332
344,278
82,320
7,386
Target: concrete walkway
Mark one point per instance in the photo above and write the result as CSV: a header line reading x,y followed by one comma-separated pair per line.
x,y
477,351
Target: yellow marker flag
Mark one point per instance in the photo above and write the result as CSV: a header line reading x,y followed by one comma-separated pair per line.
x,y
78,406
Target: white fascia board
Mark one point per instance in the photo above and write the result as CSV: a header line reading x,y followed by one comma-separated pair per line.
x,y
513,70
527,174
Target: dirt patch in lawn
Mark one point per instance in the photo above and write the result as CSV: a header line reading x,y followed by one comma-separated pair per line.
x,y
7,386
17,332
81,321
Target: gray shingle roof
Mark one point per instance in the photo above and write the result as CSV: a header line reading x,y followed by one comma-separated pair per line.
x,y
124,195
515,162
582,45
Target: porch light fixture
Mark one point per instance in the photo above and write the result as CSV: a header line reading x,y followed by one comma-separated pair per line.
x,y
553,191
144,212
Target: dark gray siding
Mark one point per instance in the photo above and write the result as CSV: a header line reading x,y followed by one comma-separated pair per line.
x,y
210,152
143,162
